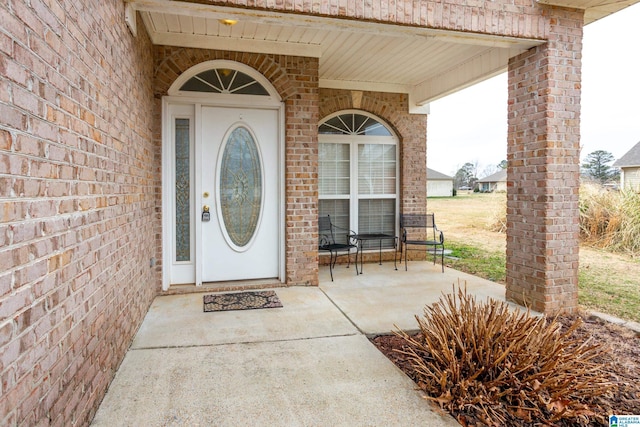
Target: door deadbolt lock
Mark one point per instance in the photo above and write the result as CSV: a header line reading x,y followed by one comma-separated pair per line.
x,y
206,215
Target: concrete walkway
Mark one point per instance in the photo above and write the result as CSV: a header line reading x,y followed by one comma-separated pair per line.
x,y
306,364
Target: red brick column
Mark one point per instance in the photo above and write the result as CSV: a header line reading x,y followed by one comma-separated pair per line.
x,y
543,173
301,172
413,161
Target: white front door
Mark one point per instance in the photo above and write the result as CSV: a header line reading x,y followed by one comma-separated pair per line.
x,y
239,182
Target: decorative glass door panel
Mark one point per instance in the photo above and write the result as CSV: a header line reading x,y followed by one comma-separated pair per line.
x,y
240,188
179,223
182,190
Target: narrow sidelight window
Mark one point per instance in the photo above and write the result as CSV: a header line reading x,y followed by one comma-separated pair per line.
x,y
182,190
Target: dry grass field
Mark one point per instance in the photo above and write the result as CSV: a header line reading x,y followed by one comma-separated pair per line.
x,y
609,282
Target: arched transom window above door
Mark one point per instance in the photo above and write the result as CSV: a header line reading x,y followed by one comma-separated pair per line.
x,y
358,172
224,78
353,124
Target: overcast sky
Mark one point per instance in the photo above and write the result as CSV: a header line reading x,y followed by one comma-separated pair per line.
x,y
471,125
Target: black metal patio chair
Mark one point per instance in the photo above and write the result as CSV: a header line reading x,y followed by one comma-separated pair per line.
x,y
335,240
420,230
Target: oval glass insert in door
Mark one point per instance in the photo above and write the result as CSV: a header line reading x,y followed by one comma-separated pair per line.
x,y
240,188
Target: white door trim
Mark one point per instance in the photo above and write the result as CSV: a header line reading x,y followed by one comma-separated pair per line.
x,y
168,174
198,191
168,190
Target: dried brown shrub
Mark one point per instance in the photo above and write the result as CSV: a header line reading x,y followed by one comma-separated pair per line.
x,y
485,362
610,219
497,219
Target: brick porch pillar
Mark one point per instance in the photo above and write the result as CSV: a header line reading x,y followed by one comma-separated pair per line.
x,y
413,173
543,153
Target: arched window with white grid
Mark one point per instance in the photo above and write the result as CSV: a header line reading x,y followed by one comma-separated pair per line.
x,y
358,172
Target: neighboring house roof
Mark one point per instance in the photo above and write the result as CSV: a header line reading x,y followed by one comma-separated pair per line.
x,y
499,176
437,176
632,158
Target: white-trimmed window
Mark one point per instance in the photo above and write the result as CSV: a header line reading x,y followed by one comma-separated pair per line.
x,y
358,173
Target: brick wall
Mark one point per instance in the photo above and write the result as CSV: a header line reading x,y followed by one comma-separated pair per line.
x,y
296,80
411,130
544,165
78,184
80,176
504,17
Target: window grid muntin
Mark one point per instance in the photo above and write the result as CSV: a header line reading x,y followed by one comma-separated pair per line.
x,y
338,209
353,123
377,171
377,216
335,168
389,167
224,80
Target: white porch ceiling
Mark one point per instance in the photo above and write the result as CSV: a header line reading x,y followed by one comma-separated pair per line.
x,y
426,64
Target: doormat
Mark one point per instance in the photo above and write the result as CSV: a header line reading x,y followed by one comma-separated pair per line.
x,y
241,301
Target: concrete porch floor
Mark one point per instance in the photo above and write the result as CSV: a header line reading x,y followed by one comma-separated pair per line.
x,y
306,364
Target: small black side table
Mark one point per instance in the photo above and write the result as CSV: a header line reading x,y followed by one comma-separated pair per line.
x,y
361,238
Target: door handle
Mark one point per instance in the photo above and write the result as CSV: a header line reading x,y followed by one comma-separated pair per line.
x,y
206,215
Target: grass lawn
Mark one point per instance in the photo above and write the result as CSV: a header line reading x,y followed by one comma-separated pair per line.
x,y
608,282
476,261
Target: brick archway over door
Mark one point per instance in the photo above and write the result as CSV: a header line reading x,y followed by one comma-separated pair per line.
x,y
296,80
